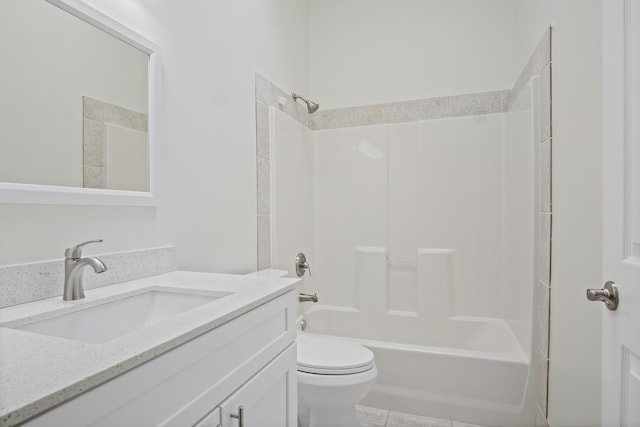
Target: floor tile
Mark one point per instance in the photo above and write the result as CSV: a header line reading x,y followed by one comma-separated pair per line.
x,y
459,424
400,419
372,417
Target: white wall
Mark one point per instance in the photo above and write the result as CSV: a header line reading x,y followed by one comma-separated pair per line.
x,y
575,347
372,51
210,53
532,18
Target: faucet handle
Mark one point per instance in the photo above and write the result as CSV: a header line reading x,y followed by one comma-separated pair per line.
x,y
302,265
76,251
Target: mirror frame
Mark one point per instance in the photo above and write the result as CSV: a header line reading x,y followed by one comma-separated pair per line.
x,y
51,194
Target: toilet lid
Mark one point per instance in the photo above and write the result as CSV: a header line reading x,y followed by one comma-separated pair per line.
x,y
322,355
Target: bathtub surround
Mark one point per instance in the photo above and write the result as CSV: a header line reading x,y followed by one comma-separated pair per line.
x,y
407,227
410,211
387,130
35,281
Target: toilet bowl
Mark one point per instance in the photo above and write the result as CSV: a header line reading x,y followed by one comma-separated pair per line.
x,y
333,376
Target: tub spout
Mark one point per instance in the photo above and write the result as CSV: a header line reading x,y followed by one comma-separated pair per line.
x,y
308,297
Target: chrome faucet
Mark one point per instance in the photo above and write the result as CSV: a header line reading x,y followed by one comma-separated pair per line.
x,y
73,266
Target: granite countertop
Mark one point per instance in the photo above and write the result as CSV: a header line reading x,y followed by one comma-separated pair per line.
x,y
38,372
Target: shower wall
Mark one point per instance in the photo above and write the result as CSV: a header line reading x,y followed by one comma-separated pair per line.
x,y
417,209
430,216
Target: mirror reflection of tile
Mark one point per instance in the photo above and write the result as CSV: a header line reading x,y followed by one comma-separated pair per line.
x,y
114,146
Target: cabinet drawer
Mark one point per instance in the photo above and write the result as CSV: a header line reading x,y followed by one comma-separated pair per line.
x,y
177,388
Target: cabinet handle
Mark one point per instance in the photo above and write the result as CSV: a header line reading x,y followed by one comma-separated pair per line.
x,y
240,416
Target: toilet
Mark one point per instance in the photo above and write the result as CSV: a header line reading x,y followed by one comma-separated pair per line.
x,y
333,375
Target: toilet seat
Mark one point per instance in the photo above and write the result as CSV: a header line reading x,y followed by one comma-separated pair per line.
x,y
326,356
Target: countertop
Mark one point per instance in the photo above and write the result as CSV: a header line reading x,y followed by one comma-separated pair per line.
x,y
38,372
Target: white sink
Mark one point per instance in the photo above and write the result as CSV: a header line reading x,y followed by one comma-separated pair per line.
x,y
104,322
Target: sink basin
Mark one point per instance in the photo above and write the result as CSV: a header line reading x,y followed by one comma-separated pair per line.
x,y
104,322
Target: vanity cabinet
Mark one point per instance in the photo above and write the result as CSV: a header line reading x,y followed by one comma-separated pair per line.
x,y
264,399
249,361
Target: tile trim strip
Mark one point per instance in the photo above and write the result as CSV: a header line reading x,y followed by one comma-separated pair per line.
x,y
472,104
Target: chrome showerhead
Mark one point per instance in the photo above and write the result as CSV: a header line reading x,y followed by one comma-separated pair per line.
x,y
312,107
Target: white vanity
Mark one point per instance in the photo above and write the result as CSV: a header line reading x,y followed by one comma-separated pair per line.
x,y
228,361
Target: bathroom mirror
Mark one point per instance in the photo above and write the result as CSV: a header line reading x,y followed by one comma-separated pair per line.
x,y
79,107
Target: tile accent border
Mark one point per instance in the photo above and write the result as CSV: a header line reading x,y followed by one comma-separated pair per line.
x,y
472,104
24,283
540,64
267,94
96,115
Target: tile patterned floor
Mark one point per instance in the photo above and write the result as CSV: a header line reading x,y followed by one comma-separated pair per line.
x,y
374,417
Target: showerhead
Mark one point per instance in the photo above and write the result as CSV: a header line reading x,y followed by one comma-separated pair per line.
x,y
312,107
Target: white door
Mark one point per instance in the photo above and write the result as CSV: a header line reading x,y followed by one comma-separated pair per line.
x,y
621,185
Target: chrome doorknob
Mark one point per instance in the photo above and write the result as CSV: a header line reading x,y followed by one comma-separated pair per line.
x,y
608,295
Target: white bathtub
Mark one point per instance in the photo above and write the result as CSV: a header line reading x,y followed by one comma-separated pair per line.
x,y
466,369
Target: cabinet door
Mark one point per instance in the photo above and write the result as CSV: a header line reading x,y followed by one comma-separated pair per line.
x,y
269,399
211,420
